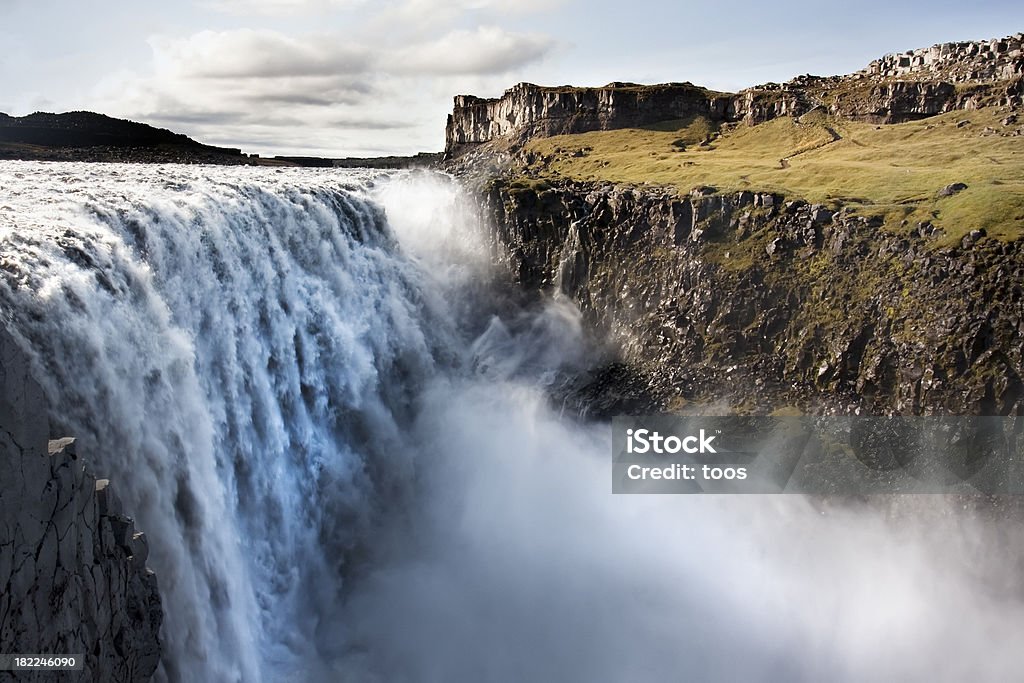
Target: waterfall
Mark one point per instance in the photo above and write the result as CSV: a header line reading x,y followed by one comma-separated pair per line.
x,y
239,354
329,414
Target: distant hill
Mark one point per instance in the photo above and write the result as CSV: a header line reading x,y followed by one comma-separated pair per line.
x,y
87,129
421,160
88,136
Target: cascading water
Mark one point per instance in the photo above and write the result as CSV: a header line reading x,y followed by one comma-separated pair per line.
x,y
331,421
239,354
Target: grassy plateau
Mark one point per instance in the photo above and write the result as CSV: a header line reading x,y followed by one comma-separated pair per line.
x,y
895,171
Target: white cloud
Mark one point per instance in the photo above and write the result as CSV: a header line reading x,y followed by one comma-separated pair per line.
x,y
487,50
247,53
364,89
437,11
278,7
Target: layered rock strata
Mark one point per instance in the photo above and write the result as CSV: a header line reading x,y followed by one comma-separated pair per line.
x,y
907,86
770,304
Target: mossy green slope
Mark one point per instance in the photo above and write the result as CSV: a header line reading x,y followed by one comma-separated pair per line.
x,y
894,170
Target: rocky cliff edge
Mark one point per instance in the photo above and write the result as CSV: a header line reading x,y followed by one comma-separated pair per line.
x,y
898,87
73,575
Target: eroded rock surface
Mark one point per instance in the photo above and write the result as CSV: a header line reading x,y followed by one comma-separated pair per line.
x,y
895,88
73,576
769,303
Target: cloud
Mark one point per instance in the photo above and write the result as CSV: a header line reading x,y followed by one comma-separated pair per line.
x,y
434,12
325,92
486,50
210,76
307,92
243,99
247,53
264,119
278,7
368,124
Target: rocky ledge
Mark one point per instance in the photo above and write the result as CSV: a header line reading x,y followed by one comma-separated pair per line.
x,y
772,304
73,575
964,62
907,86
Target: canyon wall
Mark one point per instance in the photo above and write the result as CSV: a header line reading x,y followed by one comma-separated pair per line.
x,y
73,576
528,110
771,304
896,88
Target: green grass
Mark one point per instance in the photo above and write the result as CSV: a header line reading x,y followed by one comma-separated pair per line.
x,y
892,170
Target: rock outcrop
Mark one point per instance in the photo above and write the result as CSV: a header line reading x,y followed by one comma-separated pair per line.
x,y
73,576
896,88
998,59
528,110
769,303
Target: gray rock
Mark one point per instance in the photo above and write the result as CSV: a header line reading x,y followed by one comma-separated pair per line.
x,y
66,589
784,308
703,191
898,87
952,189
820,214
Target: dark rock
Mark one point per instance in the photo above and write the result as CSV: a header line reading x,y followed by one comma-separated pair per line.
x,y
88,136
73,571
952,189
821,214
858,317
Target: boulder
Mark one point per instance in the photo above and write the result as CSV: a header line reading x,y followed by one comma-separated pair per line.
x,y
952,189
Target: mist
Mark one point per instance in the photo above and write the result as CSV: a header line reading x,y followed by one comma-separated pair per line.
x,y
331,411
519,564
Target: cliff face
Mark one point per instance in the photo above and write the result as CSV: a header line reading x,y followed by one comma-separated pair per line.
x,y
73,576
895,88
528,110
770,303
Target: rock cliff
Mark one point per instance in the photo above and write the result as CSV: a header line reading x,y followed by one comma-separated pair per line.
x,y
528,110
769,303
73,576
985,60
752,297
896,88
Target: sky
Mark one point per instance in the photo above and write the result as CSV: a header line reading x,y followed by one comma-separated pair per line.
x,y
376,77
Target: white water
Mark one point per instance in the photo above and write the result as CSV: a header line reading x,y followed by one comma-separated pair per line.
x,y
332,426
